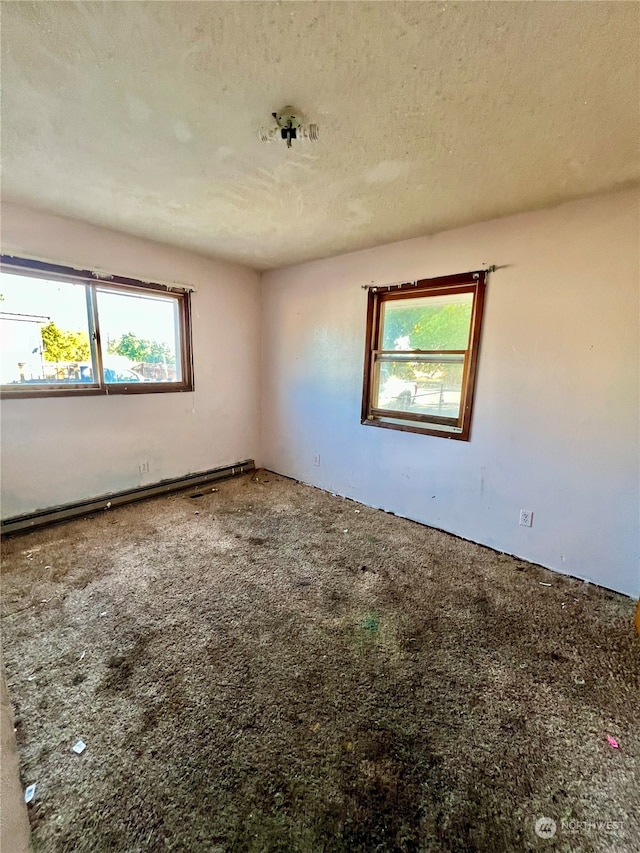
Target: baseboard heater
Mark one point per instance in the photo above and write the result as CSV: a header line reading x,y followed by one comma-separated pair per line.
x,y
43,517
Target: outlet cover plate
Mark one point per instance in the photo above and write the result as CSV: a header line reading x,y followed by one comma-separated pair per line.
x,y
526,518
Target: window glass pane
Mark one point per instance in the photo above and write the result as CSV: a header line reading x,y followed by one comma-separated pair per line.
x,y
425,387
427,322
44,332
140,337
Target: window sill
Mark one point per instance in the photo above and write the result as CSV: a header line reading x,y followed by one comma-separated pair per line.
x,y
108,391
423,429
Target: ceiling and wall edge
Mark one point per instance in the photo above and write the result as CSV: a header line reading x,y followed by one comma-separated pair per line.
x,y
15,211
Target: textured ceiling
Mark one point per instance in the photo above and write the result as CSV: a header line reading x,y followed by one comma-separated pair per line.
x,y
143,117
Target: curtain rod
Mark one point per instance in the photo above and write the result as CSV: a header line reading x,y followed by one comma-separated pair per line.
x,y
474,273
58,272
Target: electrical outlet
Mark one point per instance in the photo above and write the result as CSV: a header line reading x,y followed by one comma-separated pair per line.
x,y
526,518
143,467
316,460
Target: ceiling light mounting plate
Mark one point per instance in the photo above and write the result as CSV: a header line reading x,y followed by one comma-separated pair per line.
x,y
288,117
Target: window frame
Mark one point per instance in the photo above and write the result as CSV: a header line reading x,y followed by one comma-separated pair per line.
x,y
454,428
93,282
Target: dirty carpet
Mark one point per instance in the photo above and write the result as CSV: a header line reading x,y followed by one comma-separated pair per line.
x,y
267,667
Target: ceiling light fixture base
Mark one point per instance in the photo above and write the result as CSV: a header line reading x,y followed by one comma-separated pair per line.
x,y
289,126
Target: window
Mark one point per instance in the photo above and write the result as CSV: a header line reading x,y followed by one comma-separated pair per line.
x,y
65,331
422,353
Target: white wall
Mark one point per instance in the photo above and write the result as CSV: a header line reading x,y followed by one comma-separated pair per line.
x,y
556,420
60,450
